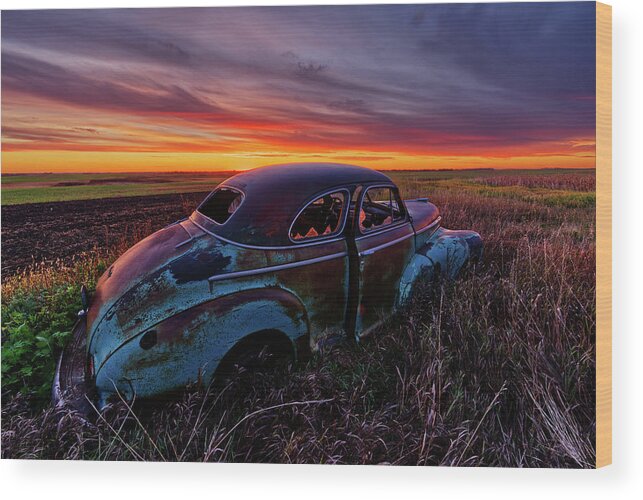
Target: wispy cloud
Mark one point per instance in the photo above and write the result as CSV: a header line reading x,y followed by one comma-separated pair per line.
x,y
380,83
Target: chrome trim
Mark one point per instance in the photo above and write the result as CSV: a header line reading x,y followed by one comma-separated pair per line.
x,y
371,251
259,247
347,202
184,242
221,186
279,267
426,228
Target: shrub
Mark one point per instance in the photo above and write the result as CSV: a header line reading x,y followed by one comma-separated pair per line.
x,y
34,328
39,309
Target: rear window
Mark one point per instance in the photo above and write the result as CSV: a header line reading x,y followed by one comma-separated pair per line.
x,y
320,218
221,204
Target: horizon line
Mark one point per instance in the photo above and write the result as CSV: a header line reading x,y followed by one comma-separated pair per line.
x,y
248,169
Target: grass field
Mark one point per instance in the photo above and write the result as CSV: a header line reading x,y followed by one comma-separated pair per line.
x,y
494,369
41,188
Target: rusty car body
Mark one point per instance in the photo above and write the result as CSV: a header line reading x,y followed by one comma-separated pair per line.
x,y
285,257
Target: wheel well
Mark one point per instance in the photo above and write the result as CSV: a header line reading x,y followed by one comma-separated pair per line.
x,y
275,341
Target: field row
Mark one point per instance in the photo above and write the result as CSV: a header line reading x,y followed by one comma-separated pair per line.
x,y
42,188
42,233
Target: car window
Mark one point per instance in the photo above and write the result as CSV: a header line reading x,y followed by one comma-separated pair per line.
x,y
322,217
221,204
380,207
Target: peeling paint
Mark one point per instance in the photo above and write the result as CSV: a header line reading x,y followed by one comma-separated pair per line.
x,y
197,267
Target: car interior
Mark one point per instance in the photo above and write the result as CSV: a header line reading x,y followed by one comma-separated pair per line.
x,y
320,218
379,208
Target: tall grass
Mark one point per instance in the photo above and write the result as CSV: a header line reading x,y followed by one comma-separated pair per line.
x,y
494,369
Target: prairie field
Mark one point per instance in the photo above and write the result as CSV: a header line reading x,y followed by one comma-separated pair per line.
x,y
39,188
496,368
19,189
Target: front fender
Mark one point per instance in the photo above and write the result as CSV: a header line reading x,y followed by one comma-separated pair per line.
x,y
188,347
445,252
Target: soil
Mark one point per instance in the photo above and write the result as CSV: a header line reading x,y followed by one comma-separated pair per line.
x,y
44,232
115,180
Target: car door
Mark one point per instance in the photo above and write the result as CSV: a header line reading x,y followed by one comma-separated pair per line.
x,y
383,245
316,267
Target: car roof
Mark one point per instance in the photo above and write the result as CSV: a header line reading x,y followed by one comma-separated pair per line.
x,y
304,178
274,194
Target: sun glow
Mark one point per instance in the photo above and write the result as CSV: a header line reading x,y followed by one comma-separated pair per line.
x,y
137,91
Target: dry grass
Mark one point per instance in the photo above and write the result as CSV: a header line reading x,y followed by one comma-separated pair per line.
x,y
568,182
495,369
85,267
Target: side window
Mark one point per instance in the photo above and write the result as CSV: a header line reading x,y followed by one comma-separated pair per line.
x,y
380,207
398,213
322,217
221,204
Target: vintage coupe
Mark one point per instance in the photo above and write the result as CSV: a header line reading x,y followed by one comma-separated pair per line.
x,y
281,259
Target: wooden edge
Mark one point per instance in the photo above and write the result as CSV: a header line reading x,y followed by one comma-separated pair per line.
x,y
603,234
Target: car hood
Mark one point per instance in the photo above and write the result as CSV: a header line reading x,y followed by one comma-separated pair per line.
x,y
422,212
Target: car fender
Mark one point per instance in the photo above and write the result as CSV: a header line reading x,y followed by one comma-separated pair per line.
x,y
187,347
445,252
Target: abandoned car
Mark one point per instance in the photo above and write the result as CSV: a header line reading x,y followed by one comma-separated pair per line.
x,y
278,259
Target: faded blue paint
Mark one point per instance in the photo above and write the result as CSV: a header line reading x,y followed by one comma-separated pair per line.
x,y
444,252
191,344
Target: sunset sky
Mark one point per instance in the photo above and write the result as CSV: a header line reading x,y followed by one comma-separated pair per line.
x,y
397,86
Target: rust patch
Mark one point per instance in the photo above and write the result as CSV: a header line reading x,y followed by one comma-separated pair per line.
x,y
224,304
177,328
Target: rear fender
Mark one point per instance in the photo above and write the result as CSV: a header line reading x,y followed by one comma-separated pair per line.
x,y
188,347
